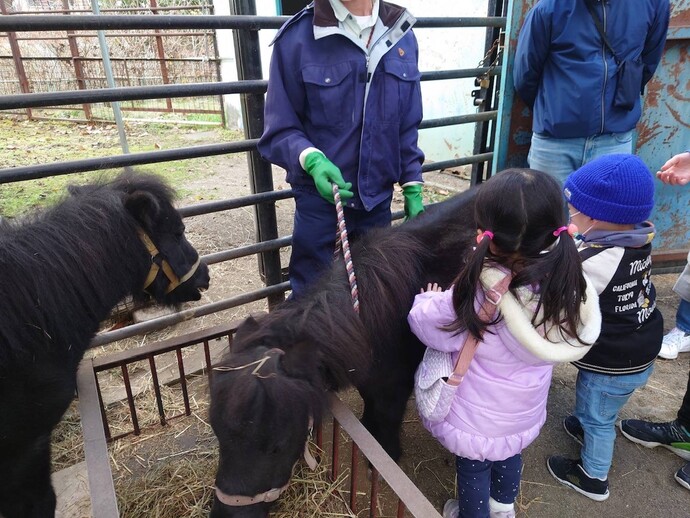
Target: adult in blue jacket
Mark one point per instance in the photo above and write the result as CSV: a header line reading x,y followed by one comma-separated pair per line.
x,y
567,75
343,106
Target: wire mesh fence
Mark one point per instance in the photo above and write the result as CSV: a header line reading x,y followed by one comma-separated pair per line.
x,y
33,62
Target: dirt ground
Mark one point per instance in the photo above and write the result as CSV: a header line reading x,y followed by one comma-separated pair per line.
x,y
641,480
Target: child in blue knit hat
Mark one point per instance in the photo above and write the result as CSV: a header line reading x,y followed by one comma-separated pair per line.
x,y
609,200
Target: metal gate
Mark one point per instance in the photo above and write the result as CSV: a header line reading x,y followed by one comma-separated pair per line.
x,y
251,86
663,130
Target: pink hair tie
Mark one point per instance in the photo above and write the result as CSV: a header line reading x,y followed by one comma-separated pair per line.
x,y
571,229
486,233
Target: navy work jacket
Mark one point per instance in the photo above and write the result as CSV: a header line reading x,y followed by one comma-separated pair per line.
x,y
362,111
566,74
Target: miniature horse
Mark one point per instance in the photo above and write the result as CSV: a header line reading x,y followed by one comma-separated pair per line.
x,y
273,383
61,273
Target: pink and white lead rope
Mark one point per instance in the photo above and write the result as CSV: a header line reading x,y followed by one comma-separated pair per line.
x,y
342,242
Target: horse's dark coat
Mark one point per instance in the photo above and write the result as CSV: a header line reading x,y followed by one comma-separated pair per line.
x,y
60,275
262,422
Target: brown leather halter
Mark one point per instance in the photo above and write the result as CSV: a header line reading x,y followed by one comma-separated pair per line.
x,y
173,280
274,493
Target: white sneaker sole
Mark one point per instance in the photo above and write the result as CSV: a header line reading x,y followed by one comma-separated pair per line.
x,y
683,454
682,482
592,496
668,356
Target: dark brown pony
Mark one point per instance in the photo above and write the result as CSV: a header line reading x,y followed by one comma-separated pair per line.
x,y
61,273
274,381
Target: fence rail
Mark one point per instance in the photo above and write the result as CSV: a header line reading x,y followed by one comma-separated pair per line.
x,y
57,59
98,432
251,87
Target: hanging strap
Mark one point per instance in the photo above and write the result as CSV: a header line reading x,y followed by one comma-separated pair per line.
x,y
600,28
492,298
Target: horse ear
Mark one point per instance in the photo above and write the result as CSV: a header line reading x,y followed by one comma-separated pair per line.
x,y
143,206
300,361
248,326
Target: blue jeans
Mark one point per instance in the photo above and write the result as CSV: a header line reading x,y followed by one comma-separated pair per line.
x,y
314,234
598,399
479,480
561,156
683,316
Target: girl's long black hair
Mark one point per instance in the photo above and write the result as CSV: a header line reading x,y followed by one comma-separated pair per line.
x,y
523,208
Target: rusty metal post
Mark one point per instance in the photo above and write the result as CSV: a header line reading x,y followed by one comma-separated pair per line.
x,y
101,486
17,57
76,62
514,123
161,55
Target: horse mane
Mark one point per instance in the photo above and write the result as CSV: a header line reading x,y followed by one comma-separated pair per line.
x,y
64,268
327,345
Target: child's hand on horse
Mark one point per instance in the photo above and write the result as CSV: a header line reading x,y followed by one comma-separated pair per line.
x,y
431,287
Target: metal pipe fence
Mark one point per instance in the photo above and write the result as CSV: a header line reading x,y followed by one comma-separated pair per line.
x,y
251,87
347,432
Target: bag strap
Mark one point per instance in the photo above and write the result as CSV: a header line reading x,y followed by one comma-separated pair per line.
x,y
600,28
492,297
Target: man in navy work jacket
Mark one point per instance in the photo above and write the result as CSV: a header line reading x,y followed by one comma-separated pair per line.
x,y
568,76
343,106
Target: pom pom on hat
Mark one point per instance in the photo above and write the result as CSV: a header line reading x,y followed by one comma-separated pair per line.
x,y
614,188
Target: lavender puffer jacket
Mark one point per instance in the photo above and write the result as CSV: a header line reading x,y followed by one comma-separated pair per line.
x,y
501,405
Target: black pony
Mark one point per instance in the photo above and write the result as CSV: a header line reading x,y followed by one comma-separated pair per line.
x,y
274,381
61,273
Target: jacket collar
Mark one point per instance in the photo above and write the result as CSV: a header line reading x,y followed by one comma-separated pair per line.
x,y
325,17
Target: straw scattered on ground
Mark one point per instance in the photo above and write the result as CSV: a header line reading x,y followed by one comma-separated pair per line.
x,y
168,471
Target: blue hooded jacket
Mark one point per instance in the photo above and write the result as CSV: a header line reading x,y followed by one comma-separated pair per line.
x,y
361,111
564,72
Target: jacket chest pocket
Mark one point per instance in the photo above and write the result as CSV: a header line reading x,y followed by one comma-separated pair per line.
x,y
400,88
330,94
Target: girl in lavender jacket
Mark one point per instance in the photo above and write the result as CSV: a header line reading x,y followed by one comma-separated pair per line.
x,y
550,314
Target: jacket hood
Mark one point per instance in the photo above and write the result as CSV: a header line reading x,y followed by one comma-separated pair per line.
x,y
546,344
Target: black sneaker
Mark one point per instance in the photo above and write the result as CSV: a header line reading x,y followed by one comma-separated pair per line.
x,y
574,429
683,476
670,435
570,473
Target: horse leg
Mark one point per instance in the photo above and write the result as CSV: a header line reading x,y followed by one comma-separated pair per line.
x,y
384,409
27,492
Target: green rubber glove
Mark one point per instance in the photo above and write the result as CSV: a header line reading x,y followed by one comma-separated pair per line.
x,y
324,172
413,200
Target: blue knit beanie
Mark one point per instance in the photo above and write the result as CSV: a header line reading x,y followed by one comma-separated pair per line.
x,y
613,188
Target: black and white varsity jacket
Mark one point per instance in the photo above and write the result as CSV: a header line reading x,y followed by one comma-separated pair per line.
x,y
632,327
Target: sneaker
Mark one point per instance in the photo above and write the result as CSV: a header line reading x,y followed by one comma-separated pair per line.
x,y
571,473
574,429
675,341
683,476
499,510
451,509
671,435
